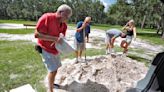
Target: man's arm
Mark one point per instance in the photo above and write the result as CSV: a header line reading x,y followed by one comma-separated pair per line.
x,y
134,32
112,42
81,28
126,26
42,36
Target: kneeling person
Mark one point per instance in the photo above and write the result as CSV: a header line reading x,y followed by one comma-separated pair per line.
x,y
111,35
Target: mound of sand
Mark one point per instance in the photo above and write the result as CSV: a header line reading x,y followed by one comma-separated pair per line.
x,y
101,74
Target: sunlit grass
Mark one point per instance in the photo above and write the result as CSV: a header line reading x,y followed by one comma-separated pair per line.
x,y
20,64
17,31
18,21
139,59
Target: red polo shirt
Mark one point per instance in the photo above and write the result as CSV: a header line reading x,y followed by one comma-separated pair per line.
x,y
48,24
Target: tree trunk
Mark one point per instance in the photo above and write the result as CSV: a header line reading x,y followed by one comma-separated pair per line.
x,y
162,26
158,24
163,35
163,32
162,21
143,22
158,28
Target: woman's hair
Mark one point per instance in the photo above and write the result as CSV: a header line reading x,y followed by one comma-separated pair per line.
x,y
132,21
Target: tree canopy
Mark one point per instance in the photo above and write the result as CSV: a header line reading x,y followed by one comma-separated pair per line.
x,y
146,13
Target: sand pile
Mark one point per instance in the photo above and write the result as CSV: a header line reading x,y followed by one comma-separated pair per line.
x,y
101,74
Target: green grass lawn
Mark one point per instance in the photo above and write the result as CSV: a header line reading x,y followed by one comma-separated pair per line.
x,y
18,21
105,26
17,31
150,36
139,59
20,64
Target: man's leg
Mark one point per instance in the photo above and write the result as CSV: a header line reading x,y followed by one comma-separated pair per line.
x,y
77,55
81,48
51,78
52,63
87,38
76,45
107,48
127,43
107,41
80,53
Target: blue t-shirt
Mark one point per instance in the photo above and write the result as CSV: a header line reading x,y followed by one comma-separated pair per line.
x,y
87,29
79,35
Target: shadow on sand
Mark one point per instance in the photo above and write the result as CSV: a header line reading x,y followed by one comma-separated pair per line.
x,y
89,86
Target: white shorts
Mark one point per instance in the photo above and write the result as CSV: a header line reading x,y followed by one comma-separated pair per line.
x,y
51,61
129,39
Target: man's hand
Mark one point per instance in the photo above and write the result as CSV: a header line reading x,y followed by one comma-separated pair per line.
x,y
82,27
112,42
59,39
112,46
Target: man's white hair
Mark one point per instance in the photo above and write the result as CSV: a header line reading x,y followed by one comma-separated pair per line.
x,y
65,8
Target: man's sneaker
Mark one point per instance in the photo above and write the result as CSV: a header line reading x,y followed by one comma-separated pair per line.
x,y
106,52
111,51
56,86
80,59
77,60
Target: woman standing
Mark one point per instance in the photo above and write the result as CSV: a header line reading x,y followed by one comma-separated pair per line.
x,y
130,33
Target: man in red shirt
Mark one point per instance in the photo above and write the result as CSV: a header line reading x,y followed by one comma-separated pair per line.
x,y
48,30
